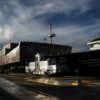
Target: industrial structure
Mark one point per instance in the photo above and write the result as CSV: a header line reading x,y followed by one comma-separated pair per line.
x,y
84,63
87,63
15,56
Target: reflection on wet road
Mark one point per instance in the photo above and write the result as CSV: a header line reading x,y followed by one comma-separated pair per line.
x,y
51,81
21,92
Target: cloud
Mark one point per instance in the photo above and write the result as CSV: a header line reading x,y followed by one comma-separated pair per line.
x,y
5,33
66,6
78,36
1,15
49,7
24,23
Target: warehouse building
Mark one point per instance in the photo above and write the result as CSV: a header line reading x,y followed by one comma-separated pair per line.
x,y
86,63
15,56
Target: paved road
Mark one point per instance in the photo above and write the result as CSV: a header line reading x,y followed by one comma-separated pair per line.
x,y
91,92
17,91
5,96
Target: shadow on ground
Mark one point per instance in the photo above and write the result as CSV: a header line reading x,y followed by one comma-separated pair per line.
x,y
67,92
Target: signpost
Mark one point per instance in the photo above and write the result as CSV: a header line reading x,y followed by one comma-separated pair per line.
x,y
77,71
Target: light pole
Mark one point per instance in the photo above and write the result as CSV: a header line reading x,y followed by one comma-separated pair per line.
x,y
1,60
51,35
77,71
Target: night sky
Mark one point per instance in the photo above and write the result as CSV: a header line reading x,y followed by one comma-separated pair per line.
x,y
75,22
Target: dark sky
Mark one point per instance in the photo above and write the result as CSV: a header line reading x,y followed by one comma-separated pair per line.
x,y
75,22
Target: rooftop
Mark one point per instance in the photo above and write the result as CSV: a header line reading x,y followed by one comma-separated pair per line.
x,y
24,43
97,39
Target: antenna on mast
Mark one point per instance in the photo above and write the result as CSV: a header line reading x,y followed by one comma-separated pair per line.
x,y
51,35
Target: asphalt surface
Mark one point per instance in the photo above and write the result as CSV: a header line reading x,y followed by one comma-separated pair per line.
x,y
20,92
68,93
89,92
6,96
